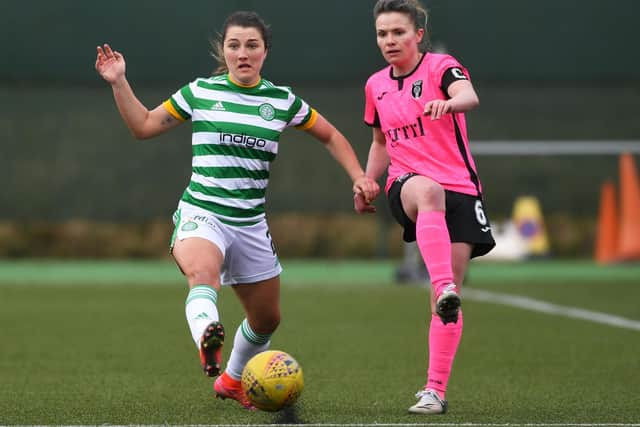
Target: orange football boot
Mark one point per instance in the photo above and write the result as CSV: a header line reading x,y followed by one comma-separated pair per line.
x,y
226,387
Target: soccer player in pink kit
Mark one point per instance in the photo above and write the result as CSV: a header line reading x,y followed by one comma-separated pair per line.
x,y
415,107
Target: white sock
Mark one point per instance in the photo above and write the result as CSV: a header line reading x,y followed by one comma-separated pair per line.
x,y
246,344
200,309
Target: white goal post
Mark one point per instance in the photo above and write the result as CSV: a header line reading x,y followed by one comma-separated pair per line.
x,y
553,148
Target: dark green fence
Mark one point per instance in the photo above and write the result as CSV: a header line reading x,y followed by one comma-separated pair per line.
x,y
552,69
330,40
67,154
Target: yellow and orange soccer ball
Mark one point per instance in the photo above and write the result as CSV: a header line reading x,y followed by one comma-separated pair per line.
x,y
272,380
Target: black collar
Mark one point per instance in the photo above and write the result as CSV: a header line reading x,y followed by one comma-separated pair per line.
x,y
400,79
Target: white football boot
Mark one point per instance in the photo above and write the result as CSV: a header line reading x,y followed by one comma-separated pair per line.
x,y
448,304
428,403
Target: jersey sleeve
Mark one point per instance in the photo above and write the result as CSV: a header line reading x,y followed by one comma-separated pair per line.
x,y
371,117
179,105
301,115
451,71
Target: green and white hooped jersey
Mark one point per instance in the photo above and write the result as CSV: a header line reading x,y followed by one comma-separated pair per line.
x,y
236,130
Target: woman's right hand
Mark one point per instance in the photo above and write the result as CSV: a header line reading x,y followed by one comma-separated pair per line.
x,y
361,206
110,64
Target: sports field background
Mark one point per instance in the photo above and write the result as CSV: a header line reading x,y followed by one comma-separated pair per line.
x,y
99,342
106,343
533,85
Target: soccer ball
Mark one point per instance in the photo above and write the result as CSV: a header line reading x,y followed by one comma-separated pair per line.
x,y
272,380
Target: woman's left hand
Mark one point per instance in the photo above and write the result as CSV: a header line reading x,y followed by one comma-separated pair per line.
x,y
437,108
366,187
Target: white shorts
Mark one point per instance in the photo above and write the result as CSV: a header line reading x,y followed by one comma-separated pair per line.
x,y
248,251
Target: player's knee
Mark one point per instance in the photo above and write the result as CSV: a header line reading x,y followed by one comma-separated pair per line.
x,y
431,196
202,275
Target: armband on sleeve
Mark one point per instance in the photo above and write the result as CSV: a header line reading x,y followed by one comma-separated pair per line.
x,y
451,75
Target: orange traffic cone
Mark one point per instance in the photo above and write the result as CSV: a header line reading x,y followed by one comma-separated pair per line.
x,y
629,231
607,233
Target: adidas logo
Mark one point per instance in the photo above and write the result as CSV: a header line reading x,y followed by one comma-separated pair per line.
x,y
218,106
201,316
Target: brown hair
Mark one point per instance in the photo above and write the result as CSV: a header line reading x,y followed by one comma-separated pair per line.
x,y
414,10
244,19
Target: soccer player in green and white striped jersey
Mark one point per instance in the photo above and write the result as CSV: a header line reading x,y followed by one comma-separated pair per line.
x,y
221,236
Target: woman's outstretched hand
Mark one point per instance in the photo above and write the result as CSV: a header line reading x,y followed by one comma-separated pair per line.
x,y
361,206
365,191
366,186
110,64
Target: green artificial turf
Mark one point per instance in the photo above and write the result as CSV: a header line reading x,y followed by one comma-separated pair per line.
x,y
84,351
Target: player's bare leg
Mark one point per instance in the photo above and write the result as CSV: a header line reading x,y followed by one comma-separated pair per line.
x,y
261,302
200,261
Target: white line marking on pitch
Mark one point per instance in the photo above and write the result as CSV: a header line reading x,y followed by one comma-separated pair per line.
x,y
372,424
423,424
419,424
546,307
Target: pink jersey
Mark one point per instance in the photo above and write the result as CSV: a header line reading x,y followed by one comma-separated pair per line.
x,y
438,149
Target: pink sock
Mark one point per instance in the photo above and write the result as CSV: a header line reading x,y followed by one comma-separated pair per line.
x,y
433,240
443,344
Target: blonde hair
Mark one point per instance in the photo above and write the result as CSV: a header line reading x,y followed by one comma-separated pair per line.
x,y
244,19
414,10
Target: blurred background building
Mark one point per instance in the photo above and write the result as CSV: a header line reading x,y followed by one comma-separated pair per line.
x,y
75,183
